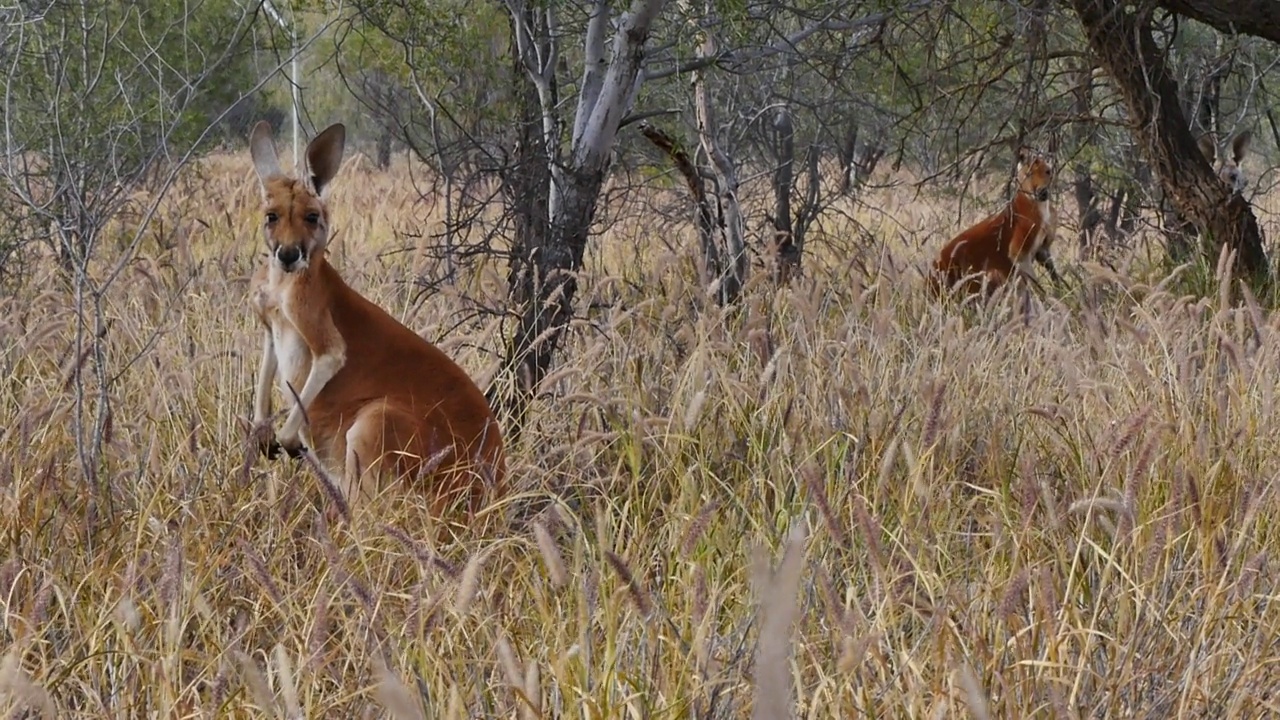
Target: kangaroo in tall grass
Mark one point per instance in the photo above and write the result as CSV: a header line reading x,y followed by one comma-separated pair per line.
x,y
369,396
1008,242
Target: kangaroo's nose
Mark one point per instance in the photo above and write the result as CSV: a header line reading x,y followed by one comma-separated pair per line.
x,y
288,255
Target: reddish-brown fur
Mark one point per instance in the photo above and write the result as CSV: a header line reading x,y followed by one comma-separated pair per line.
x,y
990,252
384,401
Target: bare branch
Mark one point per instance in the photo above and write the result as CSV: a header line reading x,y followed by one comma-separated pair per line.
x,y
731,59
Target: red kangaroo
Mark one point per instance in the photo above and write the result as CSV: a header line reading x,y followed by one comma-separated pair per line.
x,y
1008,242
373,399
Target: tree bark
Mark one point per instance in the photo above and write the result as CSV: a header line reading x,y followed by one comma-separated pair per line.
x,y
786,254
1260,18
1121,39
1126,202
856,167
526,186
382,157
847,150
1182,233
810,206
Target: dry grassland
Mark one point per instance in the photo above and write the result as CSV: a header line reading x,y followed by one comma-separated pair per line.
x,y
1063,509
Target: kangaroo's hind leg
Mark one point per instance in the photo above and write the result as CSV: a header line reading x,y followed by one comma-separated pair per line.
x,y
370,451
388,446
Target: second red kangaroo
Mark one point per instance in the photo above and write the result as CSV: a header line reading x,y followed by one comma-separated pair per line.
x,y
988,254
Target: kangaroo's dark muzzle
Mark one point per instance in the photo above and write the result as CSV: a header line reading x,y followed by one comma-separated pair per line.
x,y
289,256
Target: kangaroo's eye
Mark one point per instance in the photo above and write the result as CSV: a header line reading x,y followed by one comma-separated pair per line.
x,y
272,218
313,218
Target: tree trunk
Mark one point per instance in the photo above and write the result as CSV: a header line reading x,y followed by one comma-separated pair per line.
x,y
1088,212
560,199
383,159
1127,201
1260,18
1181,232
711,261
856,167
1086,136
791,222
526,185
786,254
1122,40
865,163
848,150
731,227
1210,105
1113,224
548,289
808,211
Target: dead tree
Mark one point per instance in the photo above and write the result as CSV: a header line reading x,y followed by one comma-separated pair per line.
x,y
708,220
547,258
788,233
734,271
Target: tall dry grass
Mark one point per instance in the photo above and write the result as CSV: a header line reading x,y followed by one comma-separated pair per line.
x,y
1060,508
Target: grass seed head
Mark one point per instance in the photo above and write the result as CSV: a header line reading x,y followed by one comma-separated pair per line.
x,y
550,555
392,693
638,596
468,584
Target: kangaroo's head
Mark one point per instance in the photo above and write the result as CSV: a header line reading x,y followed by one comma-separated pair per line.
x,y
1228,167
295,218
1035,173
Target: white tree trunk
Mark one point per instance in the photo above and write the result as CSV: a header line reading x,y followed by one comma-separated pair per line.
x,y
539,54
594,66
731,224
600,127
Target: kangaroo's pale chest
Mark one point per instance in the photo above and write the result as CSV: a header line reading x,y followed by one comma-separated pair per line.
x,y
293,359
1038,237
293,355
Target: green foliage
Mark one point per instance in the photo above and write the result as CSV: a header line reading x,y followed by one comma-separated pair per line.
x,y
454,55
115,81
454,48
100,97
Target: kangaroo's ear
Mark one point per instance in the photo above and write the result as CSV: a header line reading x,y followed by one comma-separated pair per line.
x,y
263,150
324,155
1240,145
1207,147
